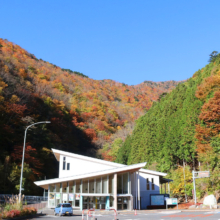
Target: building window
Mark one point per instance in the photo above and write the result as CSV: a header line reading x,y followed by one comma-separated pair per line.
x,y
148,184
152,183
119,183
125,183
64,163
68,166
85,186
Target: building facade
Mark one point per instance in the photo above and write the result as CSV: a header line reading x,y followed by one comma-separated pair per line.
x,y
87,183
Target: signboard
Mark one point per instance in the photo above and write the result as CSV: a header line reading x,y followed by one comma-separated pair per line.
x,y
171,201
51,195
65,196
57,195
71,197
77,196
196,175
201,174
157,199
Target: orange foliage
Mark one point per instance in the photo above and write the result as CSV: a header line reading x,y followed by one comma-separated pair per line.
x,y
95,106
210,127
209,84
90,133
107,157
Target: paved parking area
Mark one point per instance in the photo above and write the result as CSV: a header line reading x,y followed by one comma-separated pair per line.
x,y
166,215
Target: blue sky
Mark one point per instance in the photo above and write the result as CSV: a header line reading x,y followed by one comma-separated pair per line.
x,y
127,41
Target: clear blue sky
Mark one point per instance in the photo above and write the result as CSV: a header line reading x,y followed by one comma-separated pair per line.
x,y
127,41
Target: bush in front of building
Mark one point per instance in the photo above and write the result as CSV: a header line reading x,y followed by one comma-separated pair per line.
x,y
13,208
17,213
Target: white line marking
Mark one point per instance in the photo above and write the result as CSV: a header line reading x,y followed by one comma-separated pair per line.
x,y
169,212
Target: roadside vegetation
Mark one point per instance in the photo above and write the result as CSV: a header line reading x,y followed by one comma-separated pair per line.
x,y
13,208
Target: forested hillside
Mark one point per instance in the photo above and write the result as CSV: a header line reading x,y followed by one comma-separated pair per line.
x,y
183,128
85,114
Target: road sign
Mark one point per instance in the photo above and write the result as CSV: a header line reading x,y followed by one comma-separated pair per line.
x,y
202,174
196,175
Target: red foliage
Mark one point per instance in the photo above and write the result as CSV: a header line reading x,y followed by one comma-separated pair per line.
x,y
96,107
90,133
30,158
15,108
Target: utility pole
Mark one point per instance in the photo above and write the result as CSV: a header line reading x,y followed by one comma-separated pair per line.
x,y
184,180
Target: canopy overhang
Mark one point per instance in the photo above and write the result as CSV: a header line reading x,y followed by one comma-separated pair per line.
x,y
130,168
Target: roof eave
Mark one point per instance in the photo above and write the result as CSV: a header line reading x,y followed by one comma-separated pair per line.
x,y
123,169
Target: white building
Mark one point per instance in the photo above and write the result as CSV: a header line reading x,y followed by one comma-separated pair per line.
x,y
87,182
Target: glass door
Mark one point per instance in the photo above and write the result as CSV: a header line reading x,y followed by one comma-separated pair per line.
x,y
102,203
119,201
85,202
125,203
92,202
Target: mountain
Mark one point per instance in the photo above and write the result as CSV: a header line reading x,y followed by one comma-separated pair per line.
x,y
85,114
182,128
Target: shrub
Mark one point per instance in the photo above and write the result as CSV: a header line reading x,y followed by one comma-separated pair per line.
x,y
10,214
29,211
16,213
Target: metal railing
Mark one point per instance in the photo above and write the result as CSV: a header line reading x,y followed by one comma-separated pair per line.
x,y
26,199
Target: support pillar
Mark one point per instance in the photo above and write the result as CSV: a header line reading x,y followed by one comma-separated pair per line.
x,y
139,199
81,203
115,191
136,190
48,197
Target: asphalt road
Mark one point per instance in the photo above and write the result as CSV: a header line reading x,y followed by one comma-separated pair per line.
x,y
212,215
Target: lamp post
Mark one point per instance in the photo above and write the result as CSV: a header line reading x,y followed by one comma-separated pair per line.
x,y
22,166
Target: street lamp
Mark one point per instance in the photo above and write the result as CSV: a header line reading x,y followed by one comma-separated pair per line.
x,y
22,166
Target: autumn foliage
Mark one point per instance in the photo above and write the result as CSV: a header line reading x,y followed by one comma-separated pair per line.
x,y
85,114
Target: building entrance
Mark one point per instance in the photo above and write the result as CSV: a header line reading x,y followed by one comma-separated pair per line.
x,y
123,203
94,202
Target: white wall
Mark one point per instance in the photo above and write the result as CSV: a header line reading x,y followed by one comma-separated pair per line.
x,y
144,193
80,166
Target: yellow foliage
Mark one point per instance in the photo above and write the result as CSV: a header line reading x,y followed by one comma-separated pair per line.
x,y
181,184
6,69
46,150
1,98
59,104
14,99
29,85
42,76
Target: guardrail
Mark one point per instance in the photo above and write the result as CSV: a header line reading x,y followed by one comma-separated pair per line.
x,y
37,205
26,199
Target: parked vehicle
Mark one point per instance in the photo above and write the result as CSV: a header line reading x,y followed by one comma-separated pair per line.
x,y
63,209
